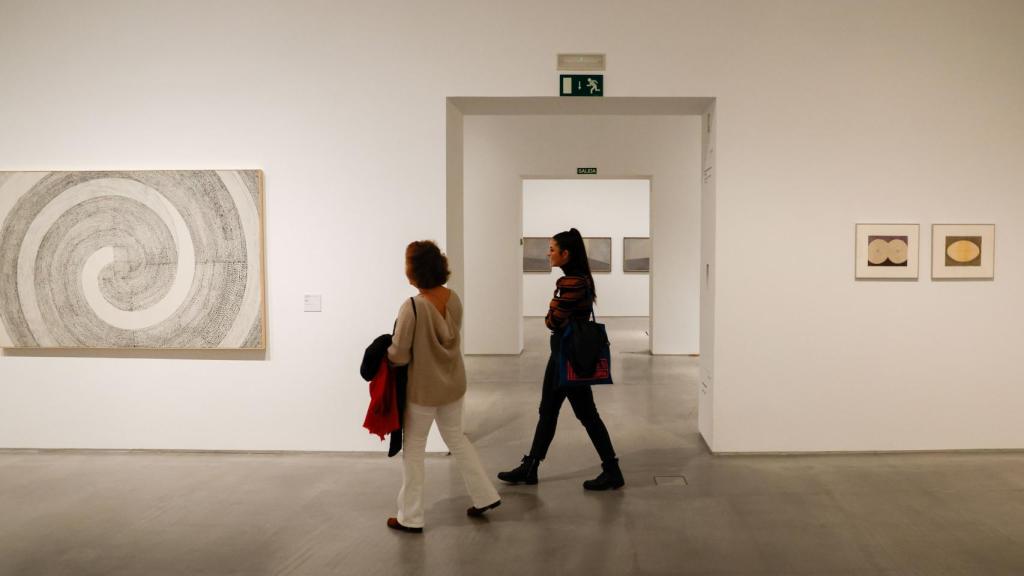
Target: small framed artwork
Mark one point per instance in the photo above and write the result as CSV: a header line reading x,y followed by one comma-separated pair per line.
x,y
636,255
963,251
887,251
535,255
599,252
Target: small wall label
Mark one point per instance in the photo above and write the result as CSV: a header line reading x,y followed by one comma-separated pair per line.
x,y
581,85
586,170
312,303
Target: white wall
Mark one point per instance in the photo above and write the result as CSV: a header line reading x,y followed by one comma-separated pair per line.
x,y
829,113
500,150
600,208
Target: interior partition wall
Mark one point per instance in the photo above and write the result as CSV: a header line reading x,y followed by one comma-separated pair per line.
x,y
499,141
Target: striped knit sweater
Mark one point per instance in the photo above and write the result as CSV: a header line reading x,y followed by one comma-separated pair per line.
x,y
571,300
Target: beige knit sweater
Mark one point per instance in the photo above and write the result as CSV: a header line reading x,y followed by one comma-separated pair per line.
x,y
432,347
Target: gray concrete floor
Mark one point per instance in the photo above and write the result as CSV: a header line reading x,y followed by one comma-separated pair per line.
x,y
154,514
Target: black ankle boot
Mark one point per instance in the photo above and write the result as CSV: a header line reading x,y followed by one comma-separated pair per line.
x,y
525,472
609,479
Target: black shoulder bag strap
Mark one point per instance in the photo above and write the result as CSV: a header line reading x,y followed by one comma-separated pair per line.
x,y
415,317
590,296
586,340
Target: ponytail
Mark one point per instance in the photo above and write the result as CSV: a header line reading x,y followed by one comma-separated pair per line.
x,y
578,264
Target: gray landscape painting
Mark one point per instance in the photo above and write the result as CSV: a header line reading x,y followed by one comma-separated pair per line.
x,y
535,255
148,259
636,254
599,252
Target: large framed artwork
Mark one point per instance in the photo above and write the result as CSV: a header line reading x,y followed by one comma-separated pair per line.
x,y
132,259
535,255
599,252
963,251
636,255
887,251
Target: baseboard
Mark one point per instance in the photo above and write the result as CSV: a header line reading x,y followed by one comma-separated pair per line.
x,y
186,451
964,451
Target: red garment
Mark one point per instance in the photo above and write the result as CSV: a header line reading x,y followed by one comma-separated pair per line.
x,y
382,415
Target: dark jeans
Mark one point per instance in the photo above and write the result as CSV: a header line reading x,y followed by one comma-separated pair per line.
x,y
582,401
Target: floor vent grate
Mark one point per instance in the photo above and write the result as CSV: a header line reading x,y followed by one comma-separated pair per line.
x,y
670,480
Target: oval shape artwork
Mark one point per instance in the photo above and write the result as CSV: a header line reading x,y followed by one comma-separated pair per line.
x,y
963,251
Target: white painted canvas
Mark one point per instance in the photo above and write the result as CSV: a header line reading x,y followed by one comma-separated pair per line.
x,y
144,259
887,251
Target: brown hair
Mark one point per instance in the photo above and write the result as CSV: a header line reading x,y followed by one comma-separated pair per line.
x,y
425,265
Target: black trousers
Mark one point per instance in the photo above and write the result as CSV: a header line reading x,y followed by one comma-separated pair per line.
x,y
582,401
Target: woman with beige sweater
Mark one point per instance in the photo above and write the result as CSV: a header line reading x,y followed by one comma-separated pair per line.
x,y
427,339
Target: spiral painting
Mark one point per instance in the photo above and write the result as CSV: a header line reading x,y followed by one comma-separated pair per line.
x,y
145,259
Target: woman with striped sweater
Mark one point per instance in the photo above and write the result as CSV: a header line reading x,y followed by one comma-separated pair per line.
x,y
573,299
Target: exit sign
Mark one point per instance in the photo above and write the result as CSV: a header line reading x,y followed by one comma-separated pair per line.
x,y
586,170
581,85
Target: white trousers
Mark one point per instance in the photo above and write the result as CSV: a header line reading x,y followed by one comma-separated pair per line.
x,y
416,426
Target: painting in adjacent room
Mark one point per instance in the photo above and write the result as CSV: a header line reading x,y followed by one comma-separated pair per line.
x,y
132,260
636,254
535,255
599,252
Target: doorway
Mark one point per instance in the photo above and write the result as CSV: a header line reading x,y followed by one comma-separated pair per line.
x,y
492,142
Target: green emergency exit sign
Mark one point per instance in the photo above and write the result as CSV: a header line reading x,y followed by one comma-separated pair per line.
x,y
586,170
581,85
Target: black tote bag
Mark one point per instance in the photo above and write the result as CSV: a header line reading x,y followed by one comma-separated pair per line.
x,y
585,356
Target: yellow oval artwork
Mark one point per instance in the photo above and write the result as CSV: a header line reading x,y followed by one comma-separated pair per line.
x,y
963,251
